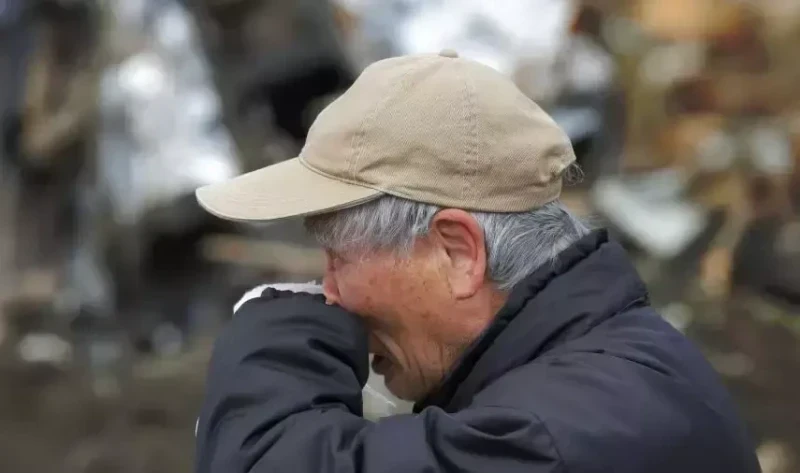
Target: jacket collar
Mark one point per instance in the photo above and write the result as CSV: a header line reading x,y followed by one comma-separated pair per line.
x,y
589,282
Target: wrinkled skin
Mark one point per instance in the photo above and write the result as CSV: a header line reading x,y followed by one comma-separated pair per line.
x,y
422,309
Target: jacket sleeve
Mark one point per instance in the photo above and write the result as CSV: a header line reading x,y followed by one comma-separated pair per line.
x,y
284,395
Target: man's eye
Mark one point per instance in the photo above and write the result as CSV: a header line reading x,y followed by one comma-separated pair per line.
x,y
339,261
335,260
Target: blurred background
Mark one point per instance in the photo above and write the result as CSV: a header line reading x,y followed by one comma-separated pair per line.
x,y
685,115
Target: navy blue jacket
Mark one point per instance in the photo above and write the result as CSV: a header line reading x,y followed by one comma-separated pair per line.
x,y
577,374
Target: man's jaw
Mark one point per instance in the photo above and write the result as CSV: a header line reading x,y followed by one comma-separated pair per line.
x,y
381,364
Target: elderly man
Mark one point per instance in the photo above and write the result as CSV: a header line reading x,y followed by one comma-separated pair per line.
x,y
526,340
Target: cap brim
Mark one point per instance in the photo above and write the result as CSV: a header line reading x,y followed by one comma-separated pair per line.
x,y
283,190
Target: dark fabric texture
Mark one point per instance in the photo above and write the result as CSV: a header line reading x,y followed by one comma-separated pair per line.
x,y
577,374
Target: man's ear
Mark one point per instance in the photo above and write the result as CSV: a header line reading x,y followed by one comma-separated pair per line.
x,y
459,239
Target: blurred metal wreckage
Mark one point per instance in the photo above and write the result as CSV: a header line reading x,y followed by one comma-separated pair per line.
x,y
103,242
49,135
707,186
113,136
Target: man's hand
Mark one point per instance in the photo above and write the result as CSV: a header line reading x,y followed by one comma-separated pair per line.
x,y
309,288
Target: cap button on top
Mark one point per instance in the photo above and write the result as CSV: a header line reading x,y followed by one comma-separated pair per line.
x,y
451,53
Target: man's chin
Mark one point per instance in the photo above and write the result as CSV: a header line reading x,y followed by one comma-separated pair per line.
x,y
393,378
401,388
381,365
398,392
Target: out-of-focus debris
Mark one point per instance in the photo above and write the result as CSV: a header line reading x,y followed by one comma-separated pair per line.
x,y
273,256
162,134
678,314
648,211
271,60
687,20
709,103
715,272
775,457
525,39
767,259
45,348
167,340
37,285
733,365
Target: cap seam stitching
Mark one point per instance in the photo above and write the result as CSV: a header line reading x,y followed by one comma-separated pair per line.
x,y
356,183
346,180
404,195
372,115
473,134
465,149
360,184
357,141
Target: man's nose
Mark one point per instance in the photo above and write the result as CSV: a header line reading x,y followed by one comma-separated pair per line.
x,y
330,289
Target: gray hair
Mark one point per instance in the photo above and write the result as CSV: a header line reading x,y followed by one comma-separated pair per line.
x,y
516,243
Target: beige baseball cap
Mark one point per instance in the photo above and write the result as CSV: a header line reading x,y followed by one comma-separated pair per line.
x,y
432,128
